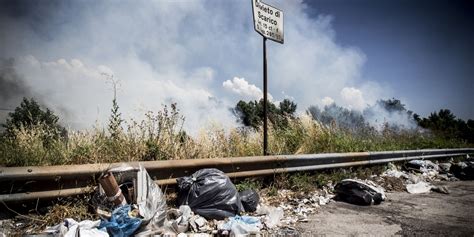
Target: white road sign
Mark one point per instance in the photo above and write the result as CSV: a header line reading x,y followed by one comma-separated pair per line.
x,y
268,21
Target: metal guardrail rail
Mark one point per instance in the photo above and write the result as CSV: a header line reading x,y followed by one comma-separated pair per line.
x,y
76,179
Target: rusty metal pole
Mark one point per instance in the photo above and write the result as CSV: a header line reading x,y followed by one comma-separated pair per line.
x,y
265,125
111,189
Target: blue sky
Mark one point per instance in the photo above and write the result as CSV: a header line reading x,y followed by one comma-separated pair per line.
x,y
205,56
423,50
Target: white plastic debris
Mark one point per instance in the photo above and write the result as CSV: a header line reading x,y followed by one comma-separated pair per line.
x,y
273,215
242,225
420,187
71,228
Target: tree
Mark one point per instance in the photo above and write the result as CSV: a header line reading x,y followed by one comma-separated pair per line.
x,y
445,123
287,107
342,117
392,105
115,120
250,114
30,114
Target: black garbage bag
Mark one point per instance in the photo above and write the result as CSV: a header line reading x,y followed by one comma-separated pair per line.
x,y
249,199
463,170
209,193
358,193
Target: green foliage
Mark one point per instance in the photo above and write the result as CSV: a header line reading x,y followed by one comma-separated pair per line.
x,y
30,114
249,183
115,121
334,115
250,113
393,105
445,124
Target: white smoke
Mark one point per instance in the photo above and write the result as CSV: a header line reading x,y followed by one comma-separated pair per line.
x,y
378,117
352,98
327,101
242,88
164,52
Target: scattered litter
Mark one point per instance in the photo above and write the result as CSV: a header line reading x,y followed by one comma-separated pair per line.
x,y
249,199
422,166
199,224
209,193
130,203
149,204
420,187
179,219
285,231
444,167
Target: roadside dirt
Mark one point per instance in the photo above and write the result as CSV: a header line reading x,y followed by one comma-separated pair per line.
x,y
430,214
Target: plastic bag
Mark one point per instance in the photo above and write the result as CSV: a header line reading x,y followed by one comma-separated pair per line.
x,y
422,166
420,187
358,192
147,194
209,193
463,170
243,225
249,199
121,224
71,228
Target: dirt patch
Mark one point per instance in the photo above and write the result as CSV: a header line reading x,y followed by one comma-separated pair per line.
x,y
392,183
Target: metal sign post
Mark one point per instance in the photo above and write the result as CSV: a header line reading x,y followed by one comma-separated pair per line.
x,y
265,116
268,22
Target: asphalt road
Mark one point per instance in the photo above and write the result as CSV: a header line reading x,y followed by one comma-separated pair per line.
x,y
429,214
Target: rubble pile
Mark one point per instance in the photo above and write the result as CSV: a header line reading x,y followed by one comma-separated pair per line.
x,y
417,176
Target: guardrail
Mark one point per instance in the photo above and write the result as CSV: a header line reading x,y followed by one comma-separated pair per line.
x,y
30,182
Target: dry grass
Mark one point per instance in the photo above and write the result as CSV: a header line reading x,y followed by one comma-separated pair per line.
x,y
36,221
160,136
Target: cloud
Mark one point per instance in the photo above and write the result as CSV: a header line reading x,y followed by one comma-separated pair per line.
x,y
242,88
184,52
